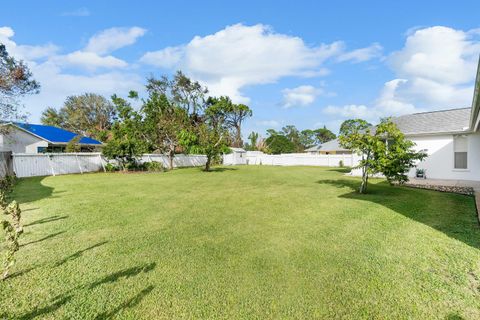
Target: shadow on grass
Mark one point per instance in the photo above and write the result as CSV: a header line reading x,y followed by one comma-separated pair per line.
x,y
31,189
341,170
220,169
419,205
45,220
130,303
43,239
42,312
126,273
79,253
19,273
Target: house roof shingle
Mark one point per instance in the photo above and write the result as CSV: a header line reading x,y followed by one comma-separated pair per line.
x,y
443,121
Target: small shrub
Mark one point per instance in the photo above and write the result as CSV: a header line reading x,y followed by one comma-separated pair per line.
x,y
110,167
154,166
340,164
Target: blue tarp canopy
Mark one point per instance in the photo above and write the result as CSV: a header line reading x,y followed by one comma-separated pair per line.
x,y
54,134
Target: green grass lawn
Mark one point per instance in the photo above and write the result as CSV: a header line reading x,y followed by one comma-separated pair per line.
x,y
241,242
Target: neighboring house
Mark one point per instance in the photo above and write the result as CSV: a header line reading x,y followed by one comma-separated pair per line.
x,y
35,138
330,147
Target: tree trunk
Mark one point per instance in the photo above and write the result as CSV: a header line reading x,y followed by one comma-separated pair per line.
x,y
171,154
363,186
207,164
238,137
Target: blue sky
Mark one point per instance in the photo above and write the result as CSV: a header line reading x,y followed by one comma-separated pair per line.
x,y
305,63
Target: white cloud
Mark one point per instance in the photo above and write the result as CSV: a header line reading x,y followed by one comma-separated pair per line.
x,y
112,39
239,56
52,71
91,60
166,58
437,65
363,54
300,96
25,52
349,111
80,12
434,70
269,123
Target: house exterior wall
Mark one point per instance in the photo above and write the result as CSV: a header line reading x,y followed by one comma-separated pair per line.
x,y
440,161
19,141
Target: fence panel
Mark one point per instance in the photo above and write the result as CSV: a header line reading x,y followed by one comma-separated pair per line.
x,y
30,165
300,159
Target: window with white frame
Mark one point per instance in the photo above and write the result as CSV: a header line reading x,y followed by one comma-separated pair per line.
x,y
460,149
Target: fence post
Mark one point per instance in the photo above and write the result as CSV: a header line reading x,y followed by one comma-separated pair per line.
x,y
78,163
50,163
101,162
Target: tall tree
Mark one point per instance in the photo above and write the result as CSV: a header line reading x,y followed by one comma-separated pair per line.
x,y
186,93
127,140
88,114
210,136
292,134
324,135
234,115
279,143
353,125
163,122
308,138
16,80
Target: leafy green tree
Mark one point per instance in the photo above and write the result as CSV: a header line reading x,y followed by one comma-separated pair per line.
x,y
292,134
74,144
308,138
128,139
16,81
350,125
279,143
236,115
88,114
163,122
181,90
253,137
383,150
210,136
394,154
323,135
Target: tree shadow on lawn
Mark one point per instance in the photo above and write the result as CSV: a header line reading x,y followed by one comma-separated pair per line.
x,y
55,305
45,220
43,239
79,253
341,170
31,189
130,303
413,203
126,273
220,169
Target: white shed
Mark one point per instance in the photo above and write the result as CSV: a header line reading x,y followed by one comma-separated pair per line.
x,y
237,156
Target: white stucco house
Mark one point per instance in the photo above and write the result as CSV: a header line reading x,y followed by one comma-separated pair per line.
x,y
35,138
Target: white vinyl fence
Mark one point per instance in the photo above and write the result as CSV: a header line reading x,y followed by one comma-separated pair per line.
x,y
52,164
180,160
300,159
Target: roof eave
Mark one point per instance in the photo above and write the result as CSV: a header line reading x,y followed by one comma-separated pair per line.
x,y
474,118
